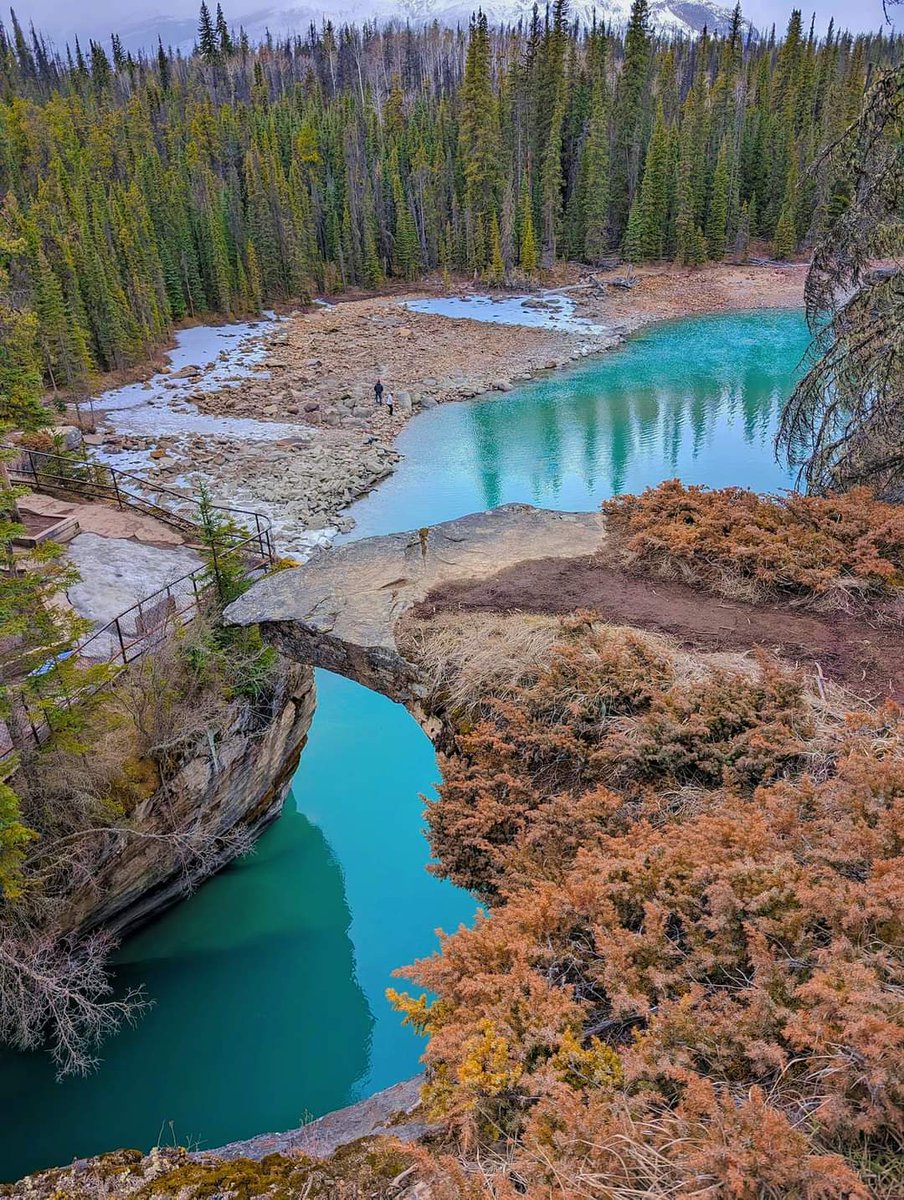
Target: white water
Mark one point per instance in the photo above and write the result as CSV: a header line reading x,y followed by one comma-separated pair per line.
x,y
547,310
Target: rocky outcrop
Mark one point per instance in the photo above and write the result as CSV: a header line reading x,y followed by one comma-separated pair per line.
x,y
341,609
355,1152
391,1112
235,784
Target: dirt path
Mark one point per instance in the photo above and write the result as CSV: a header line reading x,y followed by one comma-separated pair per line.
x,y
866,658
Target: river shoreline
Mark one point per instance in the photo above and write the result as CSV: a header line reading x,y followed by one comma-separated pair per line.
x,y
564,440
283,418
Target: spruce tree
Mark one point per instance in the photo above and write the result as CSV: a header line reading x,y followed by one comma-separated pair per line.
x,y
253,274
496,268
207,38
742,236
224,40
478,127
528,255
785,241
717,219
595,181
631,115
647,224
20,372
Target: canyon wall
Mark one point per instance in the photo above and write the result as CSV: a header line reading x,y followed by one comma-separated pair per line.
x,y
218,802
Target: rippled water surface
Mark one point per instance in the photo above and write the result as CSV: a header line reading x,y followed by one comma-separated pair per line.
x,y
269,982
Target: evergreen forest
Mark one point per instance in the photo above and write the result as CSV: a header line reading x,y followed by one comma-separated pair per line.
x,y
143,189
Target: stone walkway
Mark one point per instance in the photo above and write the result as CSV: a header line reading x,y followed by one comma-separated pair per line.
x,y
104,520
121,556
118,572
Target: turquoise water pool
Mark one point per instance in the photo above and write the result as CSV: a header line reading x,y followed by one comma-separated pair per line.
x,y
269,982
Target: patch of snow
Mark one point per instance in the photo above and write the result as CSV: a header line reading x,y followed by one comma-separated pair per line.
x,y
225,355
548,310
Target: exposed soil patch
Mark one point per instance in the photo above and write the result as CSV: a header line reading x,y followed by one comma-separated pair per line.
x,y
868,659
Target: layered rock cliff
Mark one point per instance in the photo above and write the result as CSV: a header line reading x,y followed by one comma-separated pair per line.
x,y
217,803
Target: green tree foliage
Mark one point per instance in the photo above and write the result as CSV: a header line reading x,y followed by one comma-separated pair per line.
x,y
595,181
20,376
38,673
139,191
717,220
785,240
842,426
648,222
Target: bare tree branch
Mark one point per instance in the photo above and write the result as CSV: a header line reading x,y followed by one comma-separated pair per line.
x,y
844,424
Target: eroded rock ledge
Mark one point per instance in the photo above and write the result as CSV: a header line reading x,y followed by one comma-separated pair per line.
x,y
340,610
239,781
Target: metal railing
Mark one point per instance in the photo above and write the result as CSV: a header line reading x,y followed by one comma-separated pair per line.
x,y
98,481
138,629
127,637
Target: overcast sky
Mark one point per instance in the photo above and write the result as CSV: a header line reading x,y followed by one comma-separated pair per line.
x,y
175,19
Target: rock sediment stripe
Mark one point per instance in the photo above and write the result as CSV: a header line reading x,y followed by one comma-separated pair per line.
x,y
339,611
241,782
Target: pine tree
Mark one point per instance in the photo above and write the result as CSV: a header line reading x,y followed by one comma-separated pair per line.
x,y
119,57
253,273
62,342
478,127
496,269
648,221
717,219
528,255
785,241
551,184
224,40
207,38
595,181
20,372
631,115
742,236
407,246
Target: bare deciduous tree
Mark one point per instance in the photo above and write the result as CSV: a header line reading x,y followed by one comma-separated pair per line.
x,y
59,987
844,424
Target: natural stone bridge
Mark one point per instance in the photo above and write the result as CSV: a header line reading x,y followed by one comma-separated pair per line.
x,y
340,610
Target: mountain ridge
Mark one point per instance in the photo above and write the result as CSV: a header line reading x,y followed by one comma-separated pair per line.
x,y
683,18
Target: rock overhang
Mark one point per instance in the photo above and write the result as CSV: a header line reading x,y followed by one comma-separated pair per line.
x,y
340,610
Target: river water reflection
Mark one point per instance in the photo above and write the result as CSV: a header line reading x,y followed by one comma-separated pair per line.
x,y
269,982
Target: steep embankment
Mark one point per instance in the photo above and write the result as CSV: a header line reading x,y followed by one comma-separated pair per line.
x,y
217,802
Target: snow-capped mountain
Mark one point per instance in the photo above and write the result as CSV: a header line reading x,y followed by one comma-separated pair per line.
x,y
673,16
680,17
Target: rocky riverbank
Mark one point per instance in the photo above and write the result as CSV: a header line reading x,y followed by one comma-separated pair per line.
x,y
283,418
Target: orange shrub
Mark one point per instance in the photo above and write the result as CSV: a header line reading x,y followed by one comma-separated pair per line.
x,y
834,548
691,975
535,774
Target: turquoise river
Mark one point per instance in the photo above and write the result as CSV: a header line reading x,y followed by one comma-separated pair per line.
x,y
269,983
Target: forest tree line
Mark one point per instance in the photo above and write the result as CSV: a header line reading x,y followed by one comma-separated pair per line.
x,y
142,189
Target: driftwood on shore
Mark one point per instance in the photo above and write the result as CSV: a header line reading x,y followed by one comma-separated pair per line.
x,y
600,286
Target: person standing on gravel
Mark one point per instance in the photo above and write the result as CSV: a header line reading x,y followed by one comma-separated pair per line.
x,y
390,402
378,391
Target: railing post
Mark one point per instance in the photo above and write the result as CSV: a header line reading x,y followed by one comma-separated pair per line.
x,y
122,645
113,474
